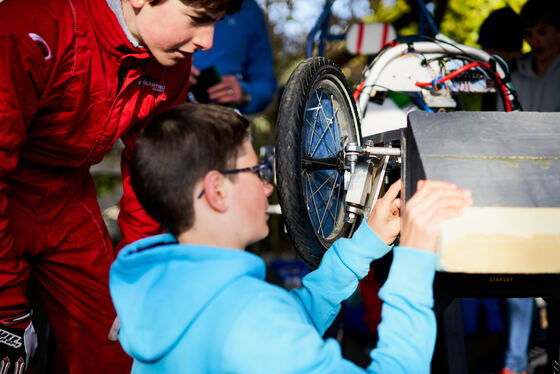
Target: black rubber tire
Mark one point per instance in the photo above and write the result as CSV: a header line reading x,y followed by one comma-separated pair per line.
x,y
311,76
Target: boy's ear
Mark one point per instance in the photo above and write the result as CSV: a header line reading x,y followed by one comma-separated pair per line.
x,y
214,190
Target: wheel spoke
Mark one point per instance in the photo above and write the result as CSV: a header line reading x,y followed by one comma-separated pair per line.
x,y
318,189
328,123
315,135
322,141
337,135
334,129
327,208
310,165
318,229
317,109
313,126
326,202
320,218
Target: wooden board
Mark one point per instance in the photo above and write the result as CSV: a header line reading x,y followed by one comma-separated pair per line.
x,y
511,163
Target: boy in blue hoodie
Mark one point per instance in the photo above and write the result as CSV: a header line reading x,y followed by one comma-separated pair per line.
x,y
193,301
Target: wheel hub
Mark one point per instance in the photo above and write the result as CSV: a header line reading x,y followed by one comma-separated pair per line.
x,y
310,164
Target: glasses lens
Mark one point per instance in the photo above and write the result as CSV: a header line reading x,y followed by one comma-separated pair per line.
x,y
265,172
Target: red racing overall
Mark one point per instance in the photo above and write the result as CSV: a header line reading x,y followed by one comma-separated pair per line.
x,y
71,84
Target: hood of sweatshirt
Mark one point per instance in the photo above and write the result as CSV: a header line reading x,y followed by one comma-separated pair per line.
x,y
159,287
525,66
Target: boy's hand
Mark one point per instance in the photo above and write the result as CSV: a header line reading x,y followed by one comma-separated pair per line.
x,y
228,91
385,219
194,74
17,347
433,203
114,331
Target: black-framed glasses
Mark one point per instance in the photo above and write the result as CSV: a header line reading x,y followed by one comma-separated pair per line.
x,y
263,170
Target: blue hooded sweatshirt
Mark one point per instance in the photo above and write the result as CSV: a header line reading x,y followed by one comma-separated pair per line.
x,y
197,309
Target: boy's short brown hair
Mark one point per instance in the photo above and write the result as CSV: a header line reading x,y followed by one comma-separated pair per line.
x,y
541,11
214,6
176,150
501,31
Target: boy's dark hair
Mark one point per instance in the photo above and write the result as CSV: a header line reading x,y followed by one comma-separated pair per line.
x,y
541,11
176,149
229,6
501,30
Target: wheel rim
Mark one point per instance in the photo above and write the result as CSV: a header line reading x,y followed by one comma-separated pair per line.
x,y
328,128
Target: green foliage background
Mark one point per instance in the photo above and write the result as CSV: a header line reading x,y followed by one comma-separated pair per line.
x,y
464,17
461,21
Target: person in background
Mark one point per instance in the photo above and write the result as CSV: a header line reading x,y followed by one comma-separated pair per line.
x,y
501,34
537,81
194,300
242,55
537,78
76,76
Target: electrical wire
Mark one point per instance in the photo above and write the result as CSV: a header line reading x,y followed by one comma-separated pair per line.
x,y
442,78
507,92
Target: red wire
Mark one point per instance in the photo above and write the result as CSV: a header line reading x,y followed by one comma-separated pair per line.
x,y
467,67
507,102
454,73
358,91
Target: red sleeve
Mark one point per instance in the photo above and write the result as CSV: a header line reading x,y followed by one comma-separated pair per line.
x,y
19,91
134,222
369,290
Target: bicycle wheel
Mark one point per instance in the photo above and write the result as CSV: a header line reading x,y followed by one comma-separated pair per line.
x,y
317,118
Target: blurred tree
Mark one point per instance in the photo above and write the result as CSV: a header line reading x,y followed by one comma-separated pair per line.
x,y
464,17
458,19
290,20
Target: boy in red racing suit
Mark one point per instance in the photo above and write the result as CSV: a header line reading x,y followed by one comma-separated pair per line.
x,y
76,75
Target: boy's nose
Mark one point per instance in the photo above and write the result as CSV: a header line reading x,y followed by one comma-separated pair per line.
x,y
204,37
268,188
